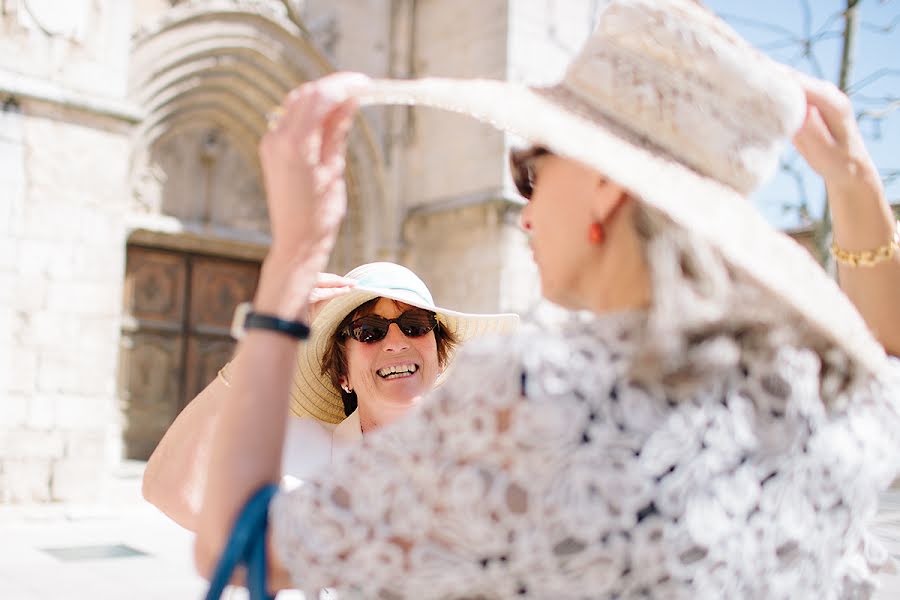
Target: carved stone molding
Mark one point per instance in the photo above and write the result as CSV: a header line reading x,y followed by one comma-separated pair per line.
x,y
218,65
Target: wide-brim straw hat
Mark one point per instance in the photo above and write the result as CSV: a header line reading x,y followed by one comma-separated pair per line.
x,y
312,393
673,105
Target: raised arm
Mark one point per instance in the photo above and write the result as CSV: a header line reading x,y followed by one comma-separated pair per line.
x,y
832,144
302,160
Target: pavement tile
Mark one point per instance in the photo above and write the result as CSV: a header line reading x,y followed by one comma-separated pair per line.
x,y
166,571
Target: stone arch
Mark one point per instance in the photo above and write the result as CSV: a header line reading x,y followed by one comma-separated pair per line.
x,y
205,75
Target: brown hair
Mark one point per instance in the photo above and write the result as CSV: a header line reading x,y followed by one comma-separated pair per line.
x,y
334,360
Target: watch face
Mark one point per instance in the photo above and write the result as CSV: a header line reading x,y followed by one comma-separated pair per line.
x,y
237,322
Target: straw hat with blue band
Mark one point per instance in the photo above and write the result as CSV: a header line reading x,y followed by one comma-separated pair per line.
x,y
312,393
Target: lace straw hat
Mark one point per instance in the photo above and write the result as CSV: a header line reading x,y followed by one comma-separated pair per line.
x,y
312,393
669,102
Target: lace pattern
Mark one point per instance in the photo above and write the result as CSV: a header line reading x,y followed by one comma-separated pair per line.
x,y
542,470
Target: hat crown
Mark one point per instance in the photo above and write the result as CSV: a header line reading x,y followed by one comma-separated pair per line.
x,y
392,277
670,71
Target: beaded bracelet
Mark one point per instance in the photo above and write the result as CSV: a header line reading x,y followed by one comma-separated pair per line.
x,y
868,258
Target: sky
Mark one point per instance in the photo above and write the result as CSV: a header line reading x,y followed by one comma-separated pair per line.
x,y
777,27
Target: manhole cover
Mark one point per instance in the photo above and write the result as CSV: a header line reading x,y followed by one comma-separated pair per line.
x,y
73,553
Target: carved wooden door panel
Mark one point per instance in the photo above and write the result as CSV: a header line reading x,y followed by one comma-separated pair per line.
x,y
217,287
175,335
151,346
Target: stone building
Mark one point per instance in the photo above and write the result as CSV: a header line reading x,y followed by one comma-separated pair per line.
x,y
132,218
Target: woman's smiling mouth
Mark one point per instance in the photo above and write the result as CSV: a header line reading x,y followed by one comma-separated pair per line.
x,y
397,371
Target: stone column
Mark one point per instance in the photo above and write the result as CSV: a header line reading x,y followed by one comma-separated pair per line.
x,y
461,229
457,205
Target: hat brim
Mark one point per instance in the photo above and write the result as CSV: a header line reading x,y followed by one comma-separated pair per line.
x,y
717,213
313,394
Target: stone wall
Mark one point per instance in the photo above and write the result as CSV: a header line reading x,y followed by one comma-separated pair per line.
x,y
453,166
93,156
66,298
73,47
461,230
63,167
139,121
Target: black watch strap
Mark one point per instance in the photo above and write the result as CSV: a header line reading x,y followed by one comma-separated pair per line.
x,y
295,329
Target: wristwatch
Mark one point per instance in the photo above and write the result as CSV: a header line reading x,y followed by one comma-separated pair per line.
x,y
245,318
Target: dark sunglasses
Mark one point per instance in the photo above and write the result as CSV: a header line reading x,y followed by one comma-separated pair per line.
x,y
521,163
369,329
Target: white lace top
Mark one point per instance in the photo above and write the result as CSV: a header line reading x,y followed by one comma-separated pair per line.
x,y
541,470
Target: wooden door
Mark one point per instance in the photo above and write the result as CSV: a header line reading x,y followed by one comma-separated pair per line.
x,y
217,286
175,335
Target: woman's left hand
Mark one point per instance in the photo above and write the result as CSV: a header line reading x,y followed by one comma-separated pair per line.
x,y
831,142
862,219
328,287
302,159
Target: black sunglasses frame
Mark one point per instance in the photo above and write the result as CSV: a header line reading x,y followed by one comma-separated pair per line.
x,y
382,332
521,166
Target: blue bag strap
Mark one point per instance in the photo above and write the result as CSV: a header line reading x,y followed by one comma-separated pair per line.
x,y
247,547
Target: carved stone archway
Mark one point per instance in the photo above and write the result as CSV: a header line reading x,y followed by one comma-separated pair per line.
x,y
205,75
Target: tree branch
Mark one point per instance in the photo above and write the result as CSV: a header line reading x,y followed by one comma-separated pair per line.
x,y
872,78
802,208
882,28
889,176
851,27
879,113
757,24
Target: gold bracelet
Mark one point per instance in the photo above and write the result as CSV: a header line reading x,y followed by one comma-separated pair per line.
x,y
868,258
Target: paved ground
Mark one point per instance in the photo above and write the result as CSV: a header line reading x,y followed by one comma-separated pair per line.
x,y
163,570
88,553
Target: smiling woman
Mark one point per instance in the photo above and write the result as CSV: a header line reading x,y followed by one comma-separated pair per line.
x,y
379,347
378,344
405,359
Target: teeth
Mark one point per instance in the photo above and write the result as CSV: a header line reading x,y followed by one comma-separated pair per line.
x,y
397,371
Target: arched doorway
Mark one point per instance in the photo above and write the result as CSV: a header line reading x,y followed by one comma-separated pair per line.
x,y
175,333
206,76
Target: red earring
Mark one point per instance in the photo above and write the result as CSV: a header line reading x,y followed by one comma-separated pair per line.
x,y
596,234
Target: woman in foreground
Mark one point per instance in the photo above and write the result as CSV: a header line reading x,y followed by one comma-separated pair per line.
x,y
718,420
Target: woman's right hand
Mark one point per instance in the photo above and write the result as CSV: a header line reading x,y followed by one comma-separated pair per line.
x,y
302,159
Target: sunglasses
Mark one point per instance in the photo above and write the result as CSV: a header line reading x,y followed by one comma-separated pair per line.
x,y
369,329
521,163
